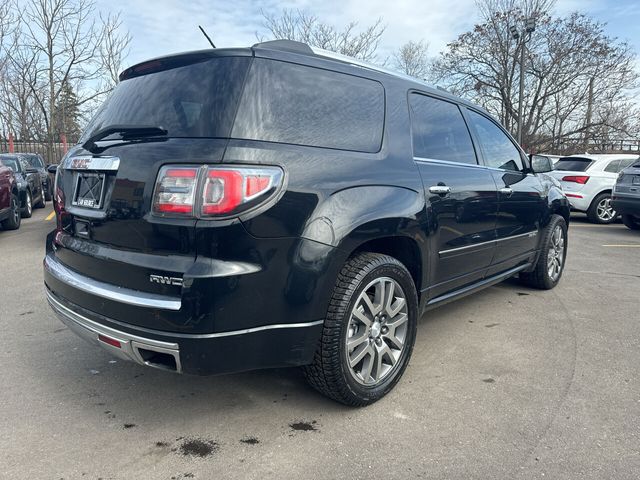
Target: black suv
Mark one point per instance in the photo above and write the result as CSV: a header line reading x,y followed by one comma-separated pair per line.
x,y
237,209
36,162
29,183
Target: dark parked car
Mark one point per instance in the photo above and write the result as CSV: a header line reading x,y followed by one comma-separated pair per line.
x,y
37,162
9,199
304,212
626,196
29,183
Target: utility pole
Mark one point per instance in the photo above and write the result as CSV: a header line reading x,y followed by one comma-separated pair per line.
x,y
530,26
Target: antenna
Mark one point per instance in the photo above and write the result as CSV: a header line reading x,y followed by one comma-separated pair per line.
x,y
207,36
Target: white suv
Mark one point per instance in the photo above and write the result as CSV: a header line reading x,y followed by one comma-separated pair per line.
x,y
588,180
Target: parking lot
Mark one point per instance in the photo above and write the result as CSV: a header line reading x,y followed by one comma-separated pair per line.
x,y
508,383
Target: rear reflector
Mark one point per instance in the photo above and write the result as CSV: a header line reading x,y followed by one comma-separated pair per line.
x,y
573,195
110,341
576,179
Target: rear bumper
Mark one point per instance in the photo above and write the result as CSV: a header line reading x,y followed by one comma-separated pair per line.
x,y
627,205
269,346
578,201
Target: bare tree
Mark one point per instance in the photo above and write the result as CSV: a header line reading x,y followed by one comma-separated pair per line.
x,y
304,27
59,48
576,78
412,59
114,48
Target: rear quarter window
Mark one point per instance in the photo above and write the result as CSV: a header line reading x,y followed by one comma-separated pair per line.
x,y
301,105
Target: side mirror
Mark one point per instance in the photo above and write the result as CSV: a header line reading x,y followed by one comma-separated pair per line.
x,y
540,164
52,168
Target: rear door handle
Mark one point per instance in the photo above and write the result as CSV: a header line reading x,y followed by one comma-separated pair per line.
x,y
440,190
506,191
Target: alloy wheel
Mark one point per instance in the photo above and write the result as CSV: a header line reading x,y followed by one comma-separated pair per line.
x,y
604,210
555,257
377,331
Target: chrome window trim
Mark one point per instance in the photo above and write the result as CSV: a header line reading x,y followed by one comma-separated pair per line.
x,y
533,233
110,292
485,167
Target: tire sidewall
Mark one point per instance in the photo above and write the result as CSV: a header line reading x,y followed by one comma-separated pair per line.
x,y
544,255
397,272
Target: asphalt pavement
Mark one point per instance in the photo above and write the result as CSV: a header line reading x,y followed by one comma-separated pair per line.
x,y
510,383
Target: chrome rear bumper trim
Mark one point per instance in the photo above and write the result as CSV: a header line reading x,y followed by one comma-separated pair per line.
x,y
130,345
108,291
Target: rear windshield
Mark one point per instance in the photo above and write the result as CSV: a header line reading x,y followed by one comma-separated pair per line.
x,y
34,161
282,102
197,100
289,103
10,162
573,164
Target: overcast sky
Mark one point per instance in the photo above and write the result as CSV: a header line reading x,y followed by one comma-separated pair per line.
x,y
159,27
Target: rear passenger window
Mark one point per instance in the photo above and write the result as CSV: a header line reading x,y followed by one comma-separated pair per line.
x,y
497,149
439,131
289,103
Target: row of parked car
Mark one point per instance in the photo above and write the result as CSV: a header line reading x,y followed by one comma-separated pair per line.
x,y
602,186
25,184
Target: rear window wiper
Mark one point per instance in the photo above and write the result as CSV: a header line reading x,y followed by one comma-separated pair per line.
x,y
127,132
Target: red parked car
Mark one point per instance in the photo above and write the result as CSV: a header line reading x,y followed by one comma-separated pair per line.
x,y
9,200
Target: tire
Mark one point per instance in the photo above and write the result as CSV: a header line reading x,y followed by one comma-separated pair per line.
x,y
393,331
631,222
48,195
13,222
553,254
41,202
27,210
600,210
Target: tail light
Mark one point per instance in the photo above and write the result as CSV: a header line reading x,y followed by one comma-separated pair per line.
x,y
576,179
176,190
214,191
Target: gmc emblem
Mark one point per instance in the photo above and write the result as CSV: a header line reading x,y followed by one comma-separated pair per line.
x,y
162,280
80,163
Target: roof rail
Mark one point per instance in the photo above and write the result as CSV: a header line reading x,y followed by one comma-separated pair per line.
x,y
286,45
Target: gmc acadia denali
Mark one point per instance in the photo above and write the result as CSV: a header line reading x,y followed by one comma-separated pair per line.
x,y
237,209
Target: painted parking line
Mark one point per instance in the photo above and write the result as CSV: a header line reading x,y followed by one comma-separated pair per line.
x,y
51,215
635,245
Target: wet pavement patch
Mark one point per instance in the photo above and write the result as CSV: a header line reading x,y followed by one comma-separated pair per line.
x,y
250,440
303,426
198,448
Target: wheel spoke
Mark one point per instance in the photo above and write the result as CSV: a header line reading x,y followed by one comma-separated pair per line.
x,y
354,341
367,365
373,309
395,341
358,354
360,315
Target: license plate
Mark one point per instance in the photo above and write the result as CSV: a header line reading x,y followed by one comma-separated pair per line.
x,y
89,191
